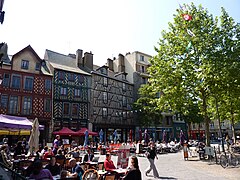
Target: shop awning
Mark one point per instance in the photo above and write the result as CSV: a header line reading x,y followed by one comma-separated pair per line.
x,y
9,132
15,122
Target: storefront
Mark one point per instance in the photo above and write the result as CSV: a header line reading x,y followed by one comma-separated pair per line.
x,y
197,134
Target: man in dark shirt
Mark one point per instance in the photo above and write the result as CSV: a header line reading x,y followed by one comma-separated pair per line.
x,y
53,167
89,156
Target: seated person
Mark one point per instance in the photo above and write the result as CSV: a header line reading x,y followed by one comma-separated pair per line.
x,y
39,173
60,155
4,158
77,171
89,156
108,163
53,167
133,172
75,153
48,154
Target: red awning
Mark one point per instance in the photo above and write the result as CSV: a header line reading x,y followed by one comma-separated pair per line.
x,y
82,131
65,131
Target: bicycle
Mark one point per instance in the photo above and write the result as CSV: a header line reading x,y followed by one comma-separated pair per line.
x,y
227,159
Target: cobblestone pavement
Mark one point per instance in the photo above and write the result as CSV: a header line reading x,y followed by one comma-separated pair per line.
x,y
173,166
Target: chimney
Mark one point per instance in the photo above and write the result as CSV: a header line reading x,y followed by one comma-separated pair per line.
x,y
79,58
110,64
88,60
121,64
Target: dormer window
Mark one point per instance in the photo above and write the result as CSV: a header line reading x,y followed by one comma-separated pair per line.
x,y
25,64
38,67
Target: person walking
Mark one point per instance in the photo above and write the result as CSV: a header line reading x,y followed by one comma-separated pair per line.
x,y
151,155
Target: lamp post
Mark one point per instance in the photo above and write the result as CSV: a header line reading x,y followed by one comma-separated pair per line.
x,y
1,12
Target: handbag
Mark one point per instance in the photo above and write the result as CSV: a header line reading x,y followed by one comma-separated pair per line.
x,y
147,154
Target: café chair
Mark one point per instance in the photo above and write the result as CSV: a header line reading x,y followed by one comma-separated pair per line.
x,y
111,175
90,174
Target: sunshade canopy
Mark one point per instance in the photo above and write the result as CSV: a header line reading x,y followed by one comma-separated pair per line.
x,y
65,131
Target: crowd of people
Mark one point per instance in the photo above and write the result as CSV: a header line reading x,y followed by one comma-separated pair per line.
x,y
74,169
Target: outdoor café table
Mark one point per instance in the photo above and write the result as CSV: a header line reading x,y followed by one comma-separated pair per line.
x,y
91,164
120,171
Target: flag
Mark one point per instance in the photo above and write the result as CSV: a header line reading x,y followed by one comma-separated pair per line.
x,y
187,17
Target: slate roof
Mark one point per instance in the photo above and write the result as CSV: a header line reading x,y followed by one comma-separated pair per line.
x,y
63,62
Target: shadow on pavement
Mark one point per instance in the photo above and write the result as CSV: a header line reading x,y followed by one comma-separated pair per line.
x,y
162,177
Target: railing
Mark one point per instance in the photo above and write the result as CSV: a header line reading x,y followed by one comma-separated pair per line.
x,y
15,175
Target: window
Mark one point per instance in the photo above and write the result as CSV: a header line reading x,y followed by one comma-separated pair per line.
x,y
48,85
66,108
222,124
16,81
27,105
141,58
25,64
4,101
13,105
194,126
75,109
104,111
6,80
124,101
77,92
61,75
105,97
179,117
212,124
105,81
38,66
63,91
80,79
142,69
70,77
28,83
47,105
124,87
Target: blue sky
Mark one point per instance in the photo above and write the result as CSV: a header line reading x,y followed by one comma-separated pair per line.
x,y
105,27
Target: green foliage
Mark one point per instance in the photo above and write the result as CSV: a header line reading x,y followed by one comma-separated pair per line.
x,y
146,108
192,78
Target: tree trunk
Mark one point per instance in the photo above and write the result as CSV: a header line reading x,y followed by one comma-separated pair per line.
x,y
206,119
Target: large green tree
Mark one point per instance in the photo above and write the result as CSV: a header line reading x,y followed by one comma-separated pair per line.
x,y
191,61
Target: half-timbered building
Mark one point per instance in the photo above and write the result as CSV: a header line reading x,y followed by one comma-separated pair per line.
x,y
26,88
71,90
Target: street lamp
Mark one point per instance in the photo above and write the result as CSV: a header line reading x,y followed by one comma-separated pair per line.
x,y
2,13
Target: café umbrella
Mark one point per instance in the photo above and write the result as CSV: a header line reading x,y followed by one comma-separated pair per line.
x,y
34,137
